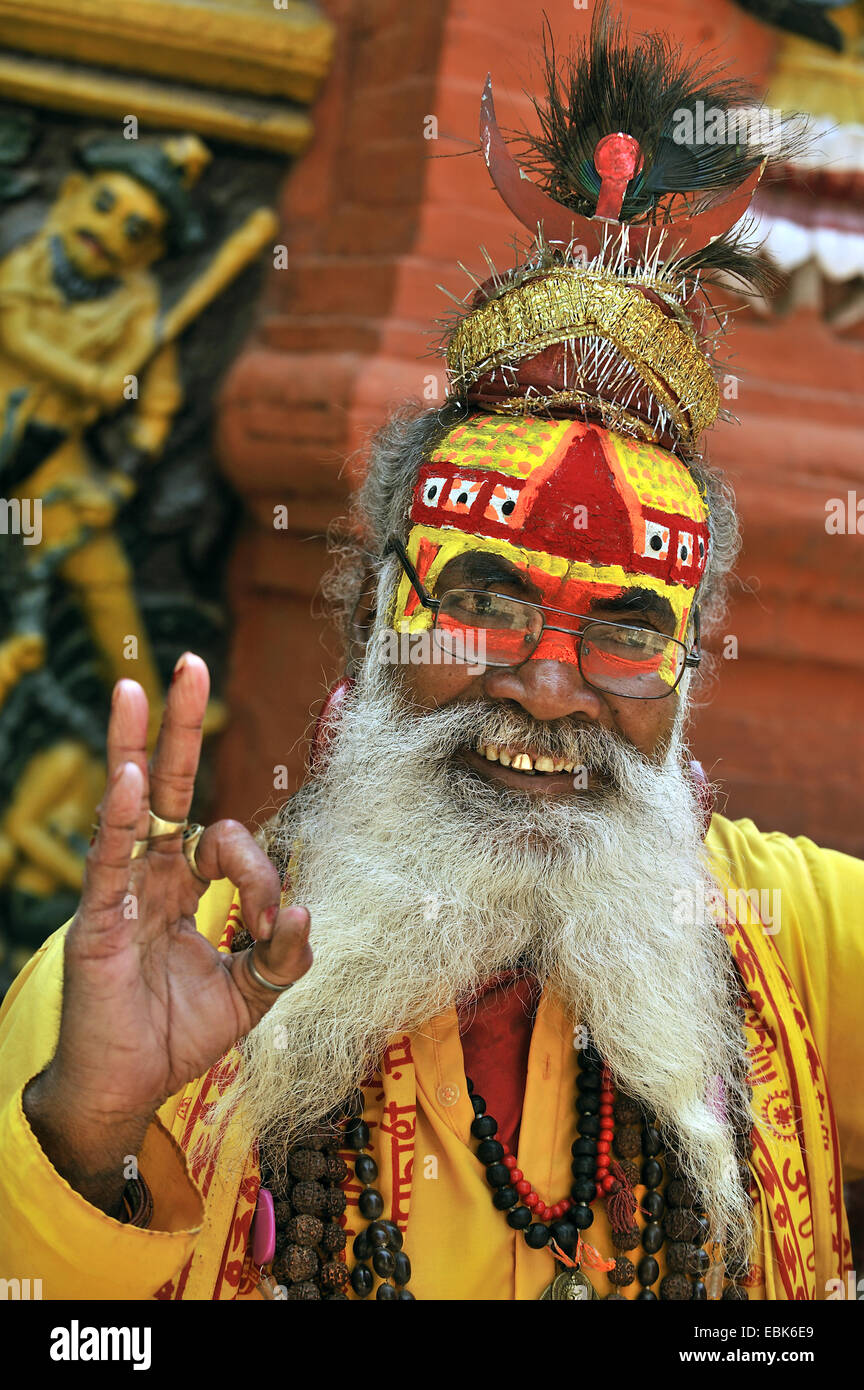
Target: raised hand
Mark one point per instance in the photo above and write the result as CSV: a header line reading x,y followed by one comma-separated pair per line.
x,y
148,1003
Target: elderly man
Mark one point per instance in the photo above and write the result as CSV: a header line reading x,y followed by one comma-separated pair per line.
x,y
490,1012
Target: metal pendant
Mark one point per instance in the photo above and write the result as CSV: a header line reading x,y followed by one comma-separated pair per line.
x,y
268,1288
572,1285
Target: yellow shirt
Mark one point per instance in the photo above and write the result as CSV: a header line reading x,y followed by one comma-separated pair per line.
x,y
460,1246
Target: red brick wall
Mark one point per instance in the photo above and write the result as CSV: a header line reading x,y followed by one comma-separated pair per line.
x,y
374,216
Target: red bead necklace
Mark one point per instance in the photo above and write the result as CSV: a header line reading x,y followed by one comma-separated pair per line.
x,y
606,1183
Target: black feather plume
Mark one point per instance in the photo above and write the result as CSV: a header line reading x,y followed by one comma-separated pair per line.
x,y
701,132
651,92
733,258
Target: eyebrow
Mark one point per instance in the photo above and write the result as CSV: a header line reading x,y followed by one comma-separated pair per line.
x,y
645,602
481,566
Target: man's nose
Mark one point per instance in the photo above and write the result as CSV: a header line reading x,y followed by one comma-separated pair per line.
x,y
546,689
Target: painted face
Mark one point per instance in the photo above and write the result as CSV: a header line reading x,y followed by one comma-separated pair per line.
x,y
585,514
110,223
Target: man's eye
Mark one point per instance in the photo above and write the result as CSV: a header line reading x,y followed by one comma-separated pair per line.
x,y
637,620
468,600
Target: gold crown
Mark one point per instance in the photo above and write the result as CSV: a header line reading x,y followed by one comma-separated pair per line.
x,y
641,321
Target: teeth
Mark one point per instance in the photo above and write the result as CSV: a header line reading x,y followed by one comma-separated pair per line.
x,y
523,762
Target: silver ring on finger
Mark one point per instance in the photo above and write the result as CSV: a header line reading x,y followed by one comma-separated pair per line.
x,y
259,978
191,838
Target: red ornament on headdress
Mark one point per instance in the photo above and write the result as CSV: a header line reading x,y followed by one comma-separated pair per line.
x,y
617,159
562,225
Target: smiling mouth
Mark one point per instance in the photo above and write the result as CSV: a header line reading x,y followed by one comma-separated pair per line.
x,y
523,769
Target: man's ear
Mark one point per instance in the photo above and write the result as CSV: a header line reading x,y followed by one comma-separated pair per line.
x,y
365,610
334,699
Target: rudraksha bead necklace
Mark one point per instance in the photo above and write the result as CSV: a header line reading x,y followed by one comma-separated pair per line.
x,y
308,1201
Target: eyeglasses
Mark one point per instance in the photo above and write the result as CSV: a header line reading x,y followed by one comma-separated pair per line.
x,y
638,663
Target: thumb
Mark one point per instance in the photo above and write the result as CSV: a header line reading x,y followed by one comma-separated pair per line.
x,y
280,961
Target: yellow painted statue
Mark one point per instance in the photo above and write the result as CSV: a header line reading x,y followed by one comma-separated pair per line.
x,y
81,334
77,303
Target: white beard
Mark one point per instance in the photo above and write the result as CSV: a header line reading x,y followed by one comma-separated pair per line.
x,y
423,880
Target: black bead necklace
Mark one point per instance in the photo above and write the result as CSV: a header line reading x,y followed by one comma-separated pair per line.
x,y
506,1194
674,1215
381,1242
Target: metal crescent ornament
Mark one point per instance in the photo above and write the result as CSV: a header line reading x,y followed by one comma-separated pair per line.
x,y
563,226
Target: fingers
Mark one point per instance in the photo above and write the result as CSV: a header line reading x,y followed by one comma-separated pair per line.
x,y
282,960
170,784
175,761
227,850
108,863
127,739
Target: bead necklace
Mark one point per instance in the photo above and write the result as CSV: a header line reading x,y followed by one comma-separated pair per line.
x,y
310,1199
597,1175
306,1257
494,1154
382,1240
308,1241
514,1195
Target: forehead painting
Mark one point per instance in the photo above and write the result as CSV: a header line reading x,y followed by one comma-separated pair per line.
x,y
585,515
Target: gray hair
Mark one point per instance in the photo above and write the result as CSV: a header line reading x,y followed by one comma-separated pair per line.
x,y
381,506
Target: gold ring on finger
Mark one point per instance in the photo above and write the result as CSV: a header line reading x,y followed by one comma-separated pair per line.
x,y
160,826
191,836
139,849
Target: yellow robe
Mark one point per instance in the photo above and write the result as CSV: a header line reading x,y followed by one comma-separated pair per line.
x,y
805,984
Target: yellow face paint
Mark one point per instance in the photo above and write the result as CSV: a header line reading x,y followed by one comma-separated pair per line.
x,y
586,513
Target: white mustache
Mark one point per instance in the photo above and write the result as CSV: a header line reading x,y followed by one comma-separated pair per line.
x,y
439,736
